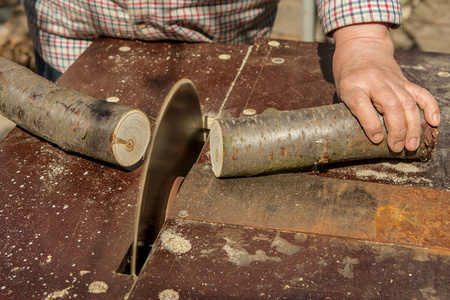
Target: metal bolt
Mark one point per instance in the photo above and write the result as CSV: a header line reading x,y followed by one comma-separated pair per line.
x,y
113,99
278,60
249,112
124,49
183,213
274,43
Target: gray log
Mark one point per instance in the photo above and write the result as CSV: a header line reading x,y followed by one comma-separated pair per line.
x,y
280,140
75,122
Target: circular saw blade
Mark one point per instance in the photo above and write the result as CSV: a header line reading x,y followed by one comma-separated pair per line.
x,y
175,147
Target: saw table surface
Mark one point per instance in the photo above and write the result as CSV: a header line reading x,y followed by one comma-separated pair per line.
x,y
367,230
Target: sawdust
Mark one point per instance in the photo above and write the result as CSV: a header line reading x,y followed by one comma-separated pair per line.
x,y
384,253
283,246
347,269
429,293
301,237
174,242
403,167
241,258
421,256
84,272
366,174
59,294
98,287
168,295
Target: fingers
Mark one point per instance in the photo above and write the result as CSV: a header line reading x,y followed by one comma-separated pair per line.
x,y
400,111
368,79
362,108
426,102
410,124
394,119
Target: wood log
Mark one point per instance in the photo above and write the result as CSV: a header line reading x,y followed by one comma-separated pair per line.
x,y
73,121
280,140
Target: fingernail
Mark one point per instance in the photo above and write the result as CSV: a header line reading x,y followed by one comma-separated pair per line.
x,y
436,119
377,137
398,146
413,144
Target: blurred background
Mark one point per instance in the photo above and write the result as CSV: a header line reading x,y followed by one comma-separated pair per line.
x,y
426,24
426,27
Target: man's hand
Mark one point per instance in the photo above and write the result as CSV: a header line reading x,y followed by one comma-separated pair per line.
x,y
367,78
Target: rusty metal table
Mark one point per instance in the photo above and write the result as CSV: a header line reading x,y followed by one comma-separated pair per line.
x,y
369,230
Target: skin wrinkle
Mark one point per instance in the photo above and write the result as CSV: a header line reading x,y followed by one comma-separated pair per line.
x,y
368,78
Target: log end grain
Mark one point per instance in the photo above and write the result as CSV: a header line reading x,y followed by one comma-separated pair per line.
x,y
131,138
216,146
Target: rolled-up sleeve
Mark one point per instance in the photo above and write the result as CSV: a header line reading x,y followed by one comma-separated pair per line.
x,y
334,14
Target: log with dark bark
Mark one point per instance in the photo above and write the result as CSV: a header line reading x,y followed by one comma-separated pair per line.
x,y
75,122
280,140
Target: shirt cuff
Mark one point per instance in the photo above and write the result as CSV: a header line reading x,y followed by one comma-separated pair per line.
x,y
334,14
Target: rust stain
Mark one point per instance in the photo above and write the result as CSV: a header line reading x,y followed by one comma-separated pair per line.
x,y
324,159
390,218
270,156
413,225
283,151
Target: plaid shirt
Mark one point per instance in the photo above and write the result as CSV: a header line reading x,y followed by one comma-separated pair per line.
x,y
338,13
62,30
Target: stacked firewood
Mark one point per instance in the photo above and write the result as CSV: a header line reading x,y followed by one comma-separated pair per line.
x,y
15,41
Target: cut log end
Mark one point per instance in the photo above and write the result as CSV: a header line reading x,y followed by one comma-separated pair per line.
x,y
216,146
131,138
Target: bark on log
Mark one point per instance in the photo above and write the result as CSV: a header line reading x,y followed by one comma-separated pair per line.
x,y
280,140
75,122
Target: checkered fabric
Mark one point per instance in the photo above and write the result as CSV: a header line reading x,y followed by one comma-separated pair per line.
x,y
334,14
62,29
